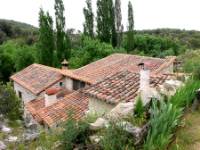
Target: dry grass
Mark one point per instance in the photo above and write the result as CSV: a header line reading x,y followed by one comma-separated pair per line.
x,y
188,137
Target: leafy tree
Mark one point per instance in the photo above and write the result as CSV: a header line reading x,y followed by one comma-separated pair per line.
x,y
130,34
61,43
118,22
6,66
25,57
10,105
106,31
89,19
46,39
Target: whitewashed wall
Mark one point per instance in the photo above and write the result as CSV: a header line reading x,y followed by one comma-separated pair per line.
x,y
68,83
99,107
27,96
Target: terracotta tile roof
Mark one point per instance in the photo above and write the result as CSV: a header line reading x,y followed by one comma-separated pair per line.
x,y
112,64
122,86
37,78
76,102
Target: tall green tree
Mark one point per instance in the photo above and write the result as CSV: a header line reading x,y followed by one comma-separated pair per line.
x,y
130,35
62,45
46,38
89,19
118,22
106,21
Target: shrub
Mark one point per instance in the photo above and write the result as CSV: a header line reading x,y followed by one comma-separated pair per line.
x,y
75,132
115,138
164,119
139,108
10,104
185,95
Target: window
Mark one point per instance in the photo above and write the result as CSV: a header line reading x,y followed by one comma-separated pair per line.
x,y
20,94
78,84
61,84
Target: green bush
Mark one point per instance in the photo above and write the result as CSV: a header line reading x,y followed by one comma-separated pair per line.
x,y
139,108
115,138
75,132
10,104
185,95
90,51
163,121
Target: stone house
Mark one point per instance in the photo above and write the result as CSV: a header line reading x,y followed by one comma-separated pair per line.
x,y
48,93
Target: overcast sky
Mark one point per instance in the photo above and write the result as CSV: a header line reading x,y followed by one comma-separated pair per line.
x,y
149,14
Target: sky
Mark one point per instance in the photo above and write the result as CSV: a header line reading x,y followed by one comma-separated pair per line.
x,y
148,14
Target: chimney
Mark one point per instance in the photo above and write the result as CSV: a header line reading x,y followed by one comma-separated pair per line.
x,y
144,82
65,64
50,96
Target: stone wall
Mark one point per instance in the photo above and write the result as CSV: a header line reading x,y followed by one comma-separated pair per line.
x,y
99,107
28,96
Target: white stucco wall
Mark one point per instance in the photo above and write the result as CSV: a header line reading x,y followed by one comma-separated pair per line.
x,y
99,107
27,96
68,83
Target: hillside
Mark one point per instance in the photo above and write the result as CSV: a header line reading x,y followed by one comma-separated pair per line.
x,y
190,38
10,29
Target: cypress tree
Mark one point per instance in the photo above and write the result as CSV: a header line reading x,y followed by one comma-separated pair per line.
x,y
46,38
61,43
130,36
118,22
89,19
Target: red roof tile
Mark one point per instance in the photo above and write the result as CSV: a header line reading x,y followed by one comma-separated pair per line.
x,y
112,64
37,78
122,86
76,102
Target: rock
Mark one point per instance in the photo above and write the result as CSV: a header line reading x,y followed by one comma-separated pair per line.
x,y
12,139
39,148
99,124
31,136
6,129
95,139
32,126
2,146
120,111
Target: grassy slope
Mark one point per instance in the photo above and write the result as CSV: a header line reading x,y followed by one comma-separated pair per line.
x,y
188,137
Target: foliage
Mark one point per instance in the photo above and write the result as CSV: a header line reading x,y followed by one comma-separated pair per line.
x,y
139,108
185,95
106,31
46,39
191,65
91,50
164,119
118,22
61,42
10,105
89,20
130,34
74,132
115,138
153,46
13,29
15,55
189,38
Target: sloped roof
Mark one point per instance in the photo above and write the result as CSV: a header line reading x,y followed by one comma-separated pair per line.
x,y
75,102
37,78
97,71
122,86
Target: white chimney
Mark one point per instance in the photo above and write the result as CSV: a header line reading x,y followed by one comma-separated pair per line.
x,y
145,91
50,96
